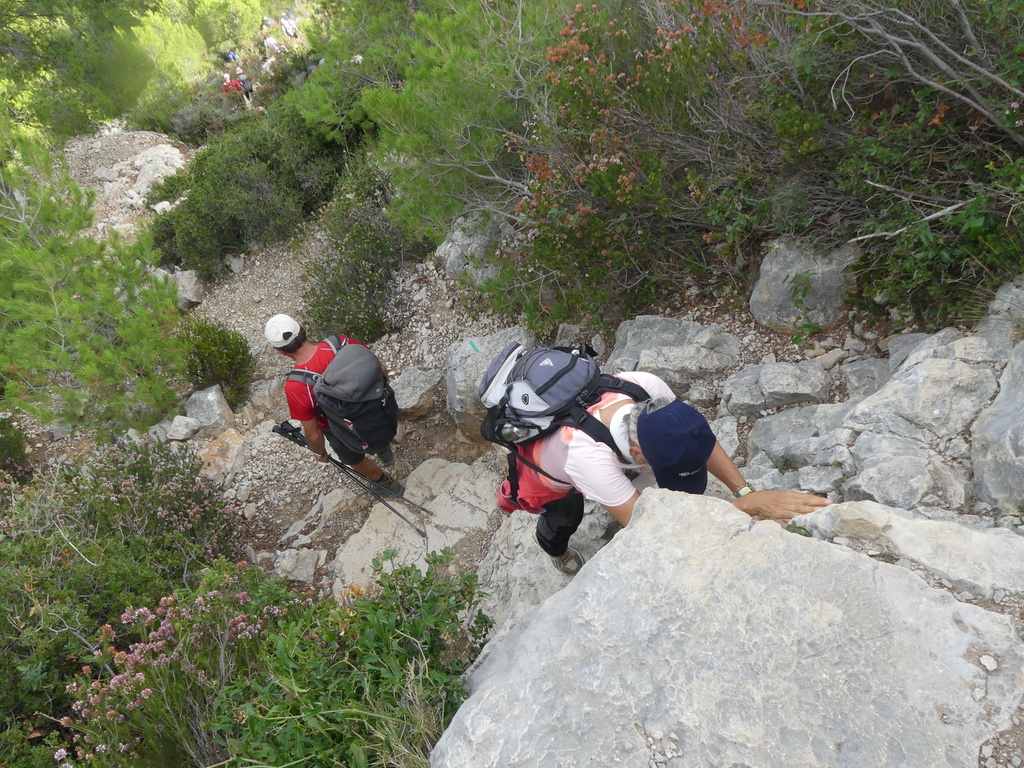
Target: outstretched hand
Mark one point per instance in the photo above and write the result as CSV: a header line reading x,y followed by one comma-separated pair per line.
x,y
781,506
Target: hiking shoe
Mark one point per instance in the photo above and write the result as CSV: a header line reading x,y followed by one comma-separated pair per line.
x,y
386,457
568,562
389,482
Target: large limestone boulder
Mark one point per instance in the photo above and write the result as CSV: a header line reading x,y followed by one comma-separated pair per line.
x,y
698,638
465,363
210,408
679,351
997,440
980,562
799,285
933,399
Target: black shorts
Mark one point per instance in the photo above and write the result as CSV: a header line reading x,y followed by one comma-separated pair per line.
x,y
345,454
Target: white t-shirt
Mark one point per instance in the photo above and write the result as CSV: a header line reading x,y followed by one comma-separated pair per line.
x,y
590,466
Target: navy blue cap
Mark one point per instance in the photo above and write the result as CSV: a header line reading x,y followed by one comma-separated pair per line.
x,y
676,441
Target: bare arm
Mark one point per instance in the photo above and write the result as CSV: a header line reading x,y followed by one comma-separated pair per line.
x,y
315,437
623,512
724,468
782,506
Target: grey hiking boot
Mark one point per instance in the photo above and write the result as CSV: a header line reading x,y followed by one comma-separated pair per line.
x,y
386,457
568,562
389,482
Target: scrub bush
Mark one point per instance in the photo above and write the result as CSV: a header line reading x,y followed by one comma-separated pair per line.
x,y
677,138
351,289
240,671
80,545
216,354
252,184
14,463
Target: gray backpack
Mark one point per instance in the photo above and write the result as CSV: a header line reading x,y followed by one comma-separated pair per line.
x,y
531,392
354,396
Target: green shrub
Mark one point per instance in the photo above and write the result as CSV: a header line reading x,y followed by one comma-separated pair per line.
x,y
351,289
14,462
82,544
240,671
216,354
682,148
254,182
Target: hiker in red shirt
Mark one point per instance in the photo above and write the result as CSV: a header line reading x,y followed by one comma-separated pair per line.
x,y
288,337
231,86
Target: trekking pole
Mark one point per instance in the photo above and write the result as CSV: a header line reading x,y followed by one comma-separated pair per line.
x,y
370,485
293,433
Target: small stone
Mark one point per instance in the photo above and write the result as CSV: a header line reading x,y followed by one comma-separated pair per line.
x,y
989,663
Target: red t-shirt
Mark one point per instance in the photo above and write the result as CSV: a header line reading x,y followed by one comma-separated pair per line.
x,y
301,401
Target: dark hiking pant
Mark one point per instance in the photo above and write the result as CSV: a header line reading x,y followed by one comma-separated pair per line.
x,y
345,454
558,522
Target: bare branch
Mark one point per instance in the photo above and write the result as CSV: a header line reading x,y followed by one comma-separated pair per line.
x,y
901,230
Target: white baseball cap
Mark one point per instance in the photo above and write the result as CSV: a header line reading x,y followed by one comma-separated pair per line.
x,y
281,330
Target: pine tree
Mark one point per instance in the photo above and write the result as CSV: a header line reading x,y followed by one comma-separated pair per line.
x,y
87,330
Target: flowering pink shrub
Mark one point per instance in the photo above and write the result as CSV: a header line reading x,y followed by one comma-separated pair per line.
x,y
79,546
240,668
153,491
166,685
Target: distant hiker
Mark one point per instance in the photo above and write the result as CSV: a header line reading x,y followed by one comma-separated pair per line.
x,y
247,85
632,433
231,86
271,45
230,57
353,428
289,25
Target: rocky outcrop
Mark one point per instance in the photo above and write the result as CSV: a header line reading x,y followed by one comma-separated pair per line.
x,y
464,365
799,286
909,444
698,638
122,166
997,440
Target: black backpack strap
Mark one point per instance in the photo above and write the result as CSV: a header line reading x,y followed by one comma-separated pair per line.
x,y
609,383
580,418
306,377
